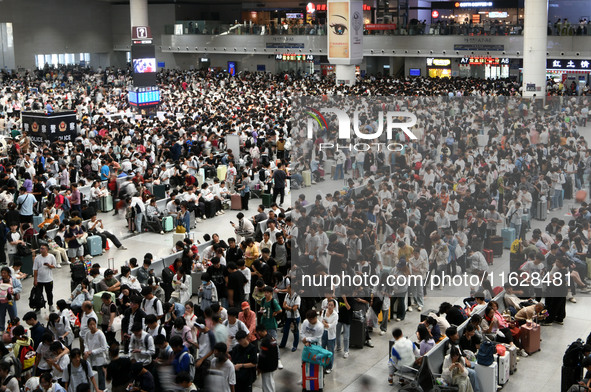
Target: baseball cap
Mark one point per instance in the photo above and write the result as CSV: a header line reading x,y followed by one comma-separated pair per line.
x,y
245,305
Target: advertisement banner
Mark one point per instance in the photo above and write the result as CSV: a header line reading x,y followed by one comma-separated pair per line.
x,y
345,32
41,126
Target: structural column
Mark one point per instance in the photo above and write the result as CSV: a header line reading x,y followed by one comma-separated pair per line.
x,y
535,42
345,74
138,10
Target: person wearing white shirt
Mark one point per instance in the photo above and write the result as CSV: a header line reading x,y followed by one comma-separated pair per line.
x,y
140,209
42,273
234,325
96,348
329,319
222,375
312,329
141,345
87,314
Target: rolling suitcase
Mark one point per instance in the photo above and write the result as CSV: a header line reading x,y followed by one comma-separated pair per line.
x,y
167,224
236,201
496,245
488,255
503,368
487,377
307,176
509,235
569,377
27,261
159,191
221,172
267,200
541,210
95,245
512,350
530,338
37,220
357,334
97,303
106,203
312,377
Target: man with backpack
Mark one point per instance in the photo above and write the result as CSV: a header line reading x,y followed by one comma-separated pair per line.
x,y
78,372
142,346
183,360
151,304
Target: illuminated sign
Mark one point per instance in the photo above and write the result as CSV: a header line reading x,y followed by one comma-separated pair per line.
x,y
566,64
435,14
320,7
310,8
366,7
473,4
294,57
496,14
149,96
431,62
294,15
484,61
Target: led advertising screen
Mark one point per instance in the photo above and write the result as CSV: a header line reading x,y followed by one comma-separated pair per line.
x,y
144,65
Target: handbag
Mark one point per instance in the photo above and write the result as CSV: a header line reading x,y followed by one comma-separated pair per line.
x,y
180,229
23,250
316,355
82,240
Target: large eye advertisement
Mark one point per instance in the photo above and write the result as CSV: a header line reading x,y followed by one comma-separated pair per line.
x,y
345,32
338,30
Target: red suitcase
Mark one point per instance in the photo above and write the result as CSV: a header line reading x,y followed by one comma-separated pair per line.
x,y
530,337
236,202
488,255
581,196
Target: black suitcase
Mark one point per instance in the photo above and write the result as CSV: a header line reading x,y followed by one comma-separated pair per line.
x,y
515,261
568,189
27,261
357,334
210,209
496,244
159,191
78,272
570,376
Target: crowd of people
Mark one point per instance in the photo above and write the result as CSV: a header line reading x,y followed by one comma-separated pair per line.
x,y
430,209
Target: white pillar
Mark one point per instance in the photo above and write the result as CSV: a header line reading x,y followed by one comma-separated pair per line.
x,y
138,11
535,43
345,74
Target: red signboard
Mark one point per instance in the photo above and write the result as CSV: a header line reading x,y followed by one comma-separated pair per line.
x,y
435,14
380,26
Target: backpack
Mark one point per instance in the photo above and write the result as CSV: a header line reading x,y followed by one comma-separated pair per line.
x,y
27,357
485,355
573,355
191,363
66,206
262,175
5,383
36,300
154,304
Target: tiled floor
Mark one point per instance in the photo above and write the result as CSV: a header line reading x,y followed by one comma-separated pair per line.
x,y
540,372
